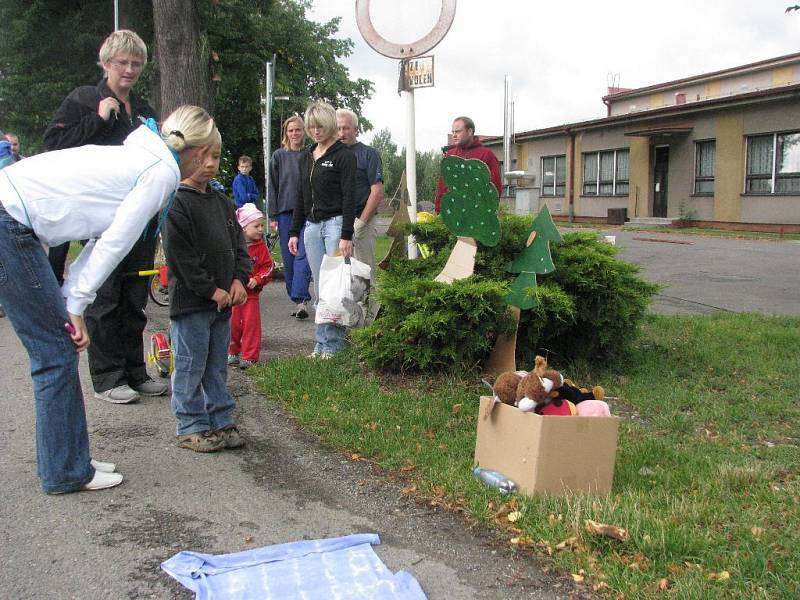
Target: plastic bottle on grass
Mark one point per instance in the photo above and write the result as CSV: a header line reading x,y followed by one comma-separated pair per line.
x,y
496,480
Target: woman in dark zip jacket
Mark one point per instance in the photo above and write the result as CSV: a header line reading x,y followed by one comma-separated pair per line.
x,y
325,205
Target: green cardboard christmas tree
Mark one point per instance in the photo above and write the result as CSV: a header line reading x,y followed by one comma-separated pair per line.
x,y
469,210
535,258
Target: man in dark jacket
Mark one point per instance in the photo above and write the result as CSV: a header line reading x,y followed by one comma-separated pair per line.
x,y
467,145
104,115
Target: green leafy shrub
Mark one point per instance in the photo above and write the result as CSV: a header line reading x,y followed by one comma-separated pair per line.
x,y
589,308
430,326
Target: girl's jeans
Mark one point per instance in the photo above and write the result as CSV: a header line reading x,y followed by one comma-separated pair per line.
x,y
32,299
323,238
200,397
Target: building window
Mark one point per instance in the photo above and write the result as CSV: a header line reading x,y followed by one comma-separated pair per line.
x,y
773,164
554,175
605,173
705,155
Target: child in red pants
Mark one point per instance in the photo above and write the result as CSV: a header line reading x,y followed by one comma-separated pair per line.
x,y
245,346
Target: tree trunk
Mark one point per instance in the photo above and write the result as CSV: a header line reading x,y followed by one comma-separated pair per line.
x,y
182,54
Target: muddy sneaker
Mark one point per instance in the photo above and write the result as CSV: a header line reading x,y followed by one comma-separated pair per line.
x,y
233,360
122,394
301,311
230,436
246,364
202,441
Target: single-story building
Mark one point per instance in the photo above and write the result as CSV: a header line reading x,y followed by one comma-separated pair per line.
x,y
721,149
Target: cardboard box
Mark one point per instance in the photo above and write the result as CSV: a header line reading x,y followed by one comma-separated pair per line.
x,y
547,454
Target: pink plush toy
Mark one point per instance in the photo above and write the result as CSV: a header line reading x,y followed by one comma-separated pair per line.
x,y
593,408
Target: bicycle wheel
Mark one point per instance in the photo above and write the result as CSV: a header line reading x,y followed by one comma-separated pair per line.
x,y
158,293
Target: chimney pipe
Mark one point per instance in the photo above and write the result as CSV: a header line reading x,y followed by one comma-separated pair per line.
x,y
508,128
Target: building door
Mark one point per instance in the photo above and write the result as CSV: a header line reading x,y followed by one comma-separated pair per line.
x,y
660,172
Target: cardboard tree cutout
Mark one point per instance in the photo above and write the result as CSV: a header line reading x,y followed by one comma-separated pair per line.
x,y
397,227
535,258
469,210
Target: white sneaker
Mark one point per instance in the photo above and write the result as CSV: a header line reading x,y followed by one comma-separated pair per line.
x,y
122,394
102,481
103,467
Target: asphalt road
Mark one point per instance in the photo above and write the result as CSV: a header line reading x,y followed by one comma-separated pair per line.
x,y
284,486
710,274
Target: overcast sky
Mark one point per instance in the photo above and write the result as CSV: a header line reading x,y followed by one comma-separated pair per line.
x,y
560,55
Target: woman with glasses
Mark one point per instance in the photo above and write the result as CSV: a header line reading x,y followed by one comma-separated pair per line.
x,y
104,115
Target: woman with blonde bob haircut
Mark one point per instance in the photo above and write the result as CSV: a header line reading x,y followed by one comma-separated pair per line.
x,y
122,41
105,114
325,204
284,176
106,194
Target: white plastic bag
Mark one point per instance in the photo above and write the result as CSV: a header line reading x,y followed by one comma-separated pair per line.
x,y
343,287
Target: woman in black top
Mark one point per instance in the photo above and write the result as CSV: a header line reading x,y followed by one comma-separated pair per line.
x,y
325,204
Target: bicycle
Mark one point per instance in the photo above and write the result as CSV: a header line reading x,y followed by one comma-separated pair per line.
x,y
157,285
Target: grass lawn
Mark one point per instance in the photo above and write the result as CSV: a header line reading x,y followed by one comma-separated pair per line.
x,y
707,471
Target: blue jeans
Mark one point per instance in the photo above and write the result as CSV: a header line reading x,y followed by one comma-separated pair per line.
x,y
200,397
323,238
32,299
297,273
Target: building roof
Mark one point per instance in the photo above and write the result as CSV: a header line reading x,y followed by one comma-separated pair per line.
x,y
757,96
740,70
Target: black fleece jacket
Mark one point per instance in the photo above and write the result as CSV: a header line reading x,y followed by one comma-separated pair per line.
x,y
76,122
326,188
205,249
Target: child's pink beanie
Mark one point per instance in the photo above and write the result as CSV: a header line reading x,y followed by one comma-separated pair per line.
x,y
247,214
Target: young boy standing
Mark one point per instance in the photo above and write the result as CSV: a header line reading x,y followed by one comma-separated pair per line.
x,y
246,318
244,186
208,270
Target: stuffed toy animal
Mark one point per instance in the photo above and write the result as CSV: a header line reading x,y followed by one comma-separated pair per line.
x,y
569,391
534,391
593,408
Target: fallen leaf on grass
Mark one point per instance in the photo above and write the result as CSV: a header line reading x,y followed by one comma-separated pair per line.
x,y
568,544
577,578
306,396
522,541
757,532
408,469
409,490
721,576
355,456
663,584
515,516
612,531
457,408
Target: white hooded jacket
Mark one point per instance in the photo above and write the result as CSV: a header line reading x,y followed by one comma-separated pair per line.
x,y
104,192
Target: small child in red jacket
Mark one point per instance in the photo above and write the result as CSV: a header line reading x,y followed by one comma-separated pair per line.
x,y
246,318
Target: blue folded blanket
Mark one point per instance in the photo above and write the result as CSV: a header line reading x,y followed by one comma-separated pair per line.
x,y
344,567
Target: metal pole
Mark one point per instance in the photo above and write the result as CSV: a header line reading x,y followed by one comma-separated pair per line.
x,y
116,15
266,121
508,131
411,168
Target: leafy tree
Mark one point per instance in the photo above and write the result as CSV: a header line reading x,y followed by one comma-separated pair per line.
x,y
393,164
49,47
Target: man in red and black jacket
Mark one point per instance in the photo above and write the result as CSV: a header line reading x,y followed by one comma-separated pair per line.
x,y
467,145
